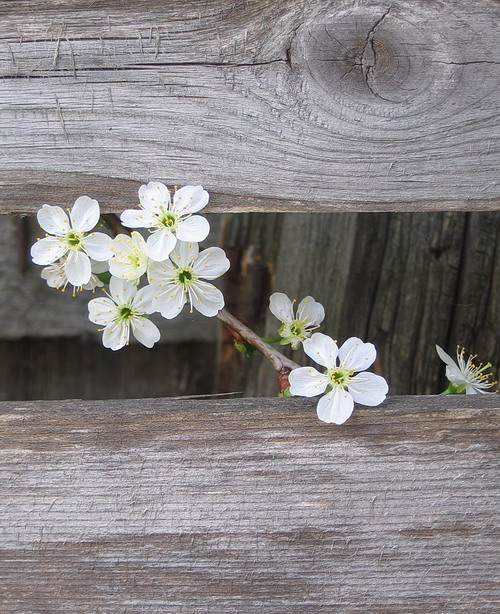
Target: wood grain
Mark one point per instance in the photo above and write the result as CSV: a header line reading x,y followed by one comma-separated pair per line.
x,y
249,506
290,106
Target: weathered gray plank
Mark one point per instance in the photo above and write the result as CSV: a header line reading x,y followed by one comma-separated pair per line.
x,y
302,106
249,506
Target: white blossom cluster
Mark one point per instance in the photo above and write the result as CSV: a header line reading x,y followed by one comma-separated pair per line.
x,y
338,383
164,269
177,272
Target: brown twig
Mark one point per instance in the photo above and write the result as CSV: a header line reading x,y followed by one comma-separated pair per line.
x,y
277,359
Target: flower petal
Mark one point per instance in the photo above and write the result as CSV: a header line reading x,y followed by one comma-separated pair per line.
x,y
102,310
123,270
122,290
193,229
154,197
160,244
98,246
368,389
190,199
144,299
453,372
53,220
307,382
115,336
321,349
356,355
47,250
207,299
335,407
78,268
145,331
54,275
281,307
310,312
84,214
211,263
161,273
138,218
169,301
455,375
184,254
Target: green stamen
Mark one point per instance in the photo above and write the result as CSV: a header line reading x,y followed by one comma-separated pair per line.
x,y
125,313
185,277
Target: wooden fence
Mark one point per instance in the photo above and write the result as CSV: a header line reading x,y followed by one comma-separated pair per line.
x,y
252,505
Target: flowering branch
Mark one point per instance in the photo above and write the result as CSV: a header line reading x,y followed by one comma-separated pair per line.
x,y
277,359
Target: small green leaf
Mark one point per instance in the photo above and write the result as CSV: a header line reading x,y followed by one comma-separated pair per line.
x,y
272,339
104,277
245,348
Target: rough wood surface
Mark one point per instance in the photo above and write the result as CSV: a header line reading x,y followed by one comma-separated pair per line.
x,y
318,105
249,506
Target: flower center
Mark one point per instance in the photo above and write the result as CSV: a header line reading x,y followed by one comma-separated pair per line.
x,y
186,277
134,258
125,312
339,376
292,329
73,239
167,220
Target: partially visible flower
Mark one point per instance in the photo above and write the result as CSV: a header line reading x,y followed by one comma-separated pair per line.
x,y
55,276
464,376
168,221
179,280
129,260
342,387
295,329
124,311
71,238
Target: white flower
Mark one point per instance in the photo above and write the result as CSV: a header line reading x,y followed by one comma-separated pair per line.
x,y
466,376
129,260
168,221
55,276
125,310
71,238
179,280
295,329
342,386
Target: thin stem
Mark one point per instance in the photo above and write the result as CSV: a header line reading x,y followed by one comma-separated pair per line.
x,y
277,359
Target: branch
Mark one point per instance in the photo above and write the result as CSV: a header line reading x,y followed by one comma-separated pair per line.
x,y
278,360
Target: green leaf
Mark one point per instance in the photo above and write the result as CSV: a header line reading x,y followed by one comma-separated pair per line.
x,y
271,339
104,277
454,389
245,348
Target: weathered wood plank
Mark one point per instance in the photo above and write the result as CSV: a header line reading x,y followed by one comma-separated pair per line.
x,y
249,506
302,106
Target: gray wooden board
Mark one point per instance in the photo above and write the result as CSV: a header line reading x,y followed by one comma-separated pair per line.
x,y
250,505
318,105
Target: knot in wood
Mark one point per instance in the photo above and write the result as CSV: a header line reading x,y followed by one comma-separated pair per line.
x,y
379,60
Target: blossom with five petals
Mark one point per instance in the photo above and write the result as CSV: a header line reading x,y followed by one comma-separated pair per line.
x,y
295,329
71,237
465,376
179,280
168,220
125,310
129,260
342,387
